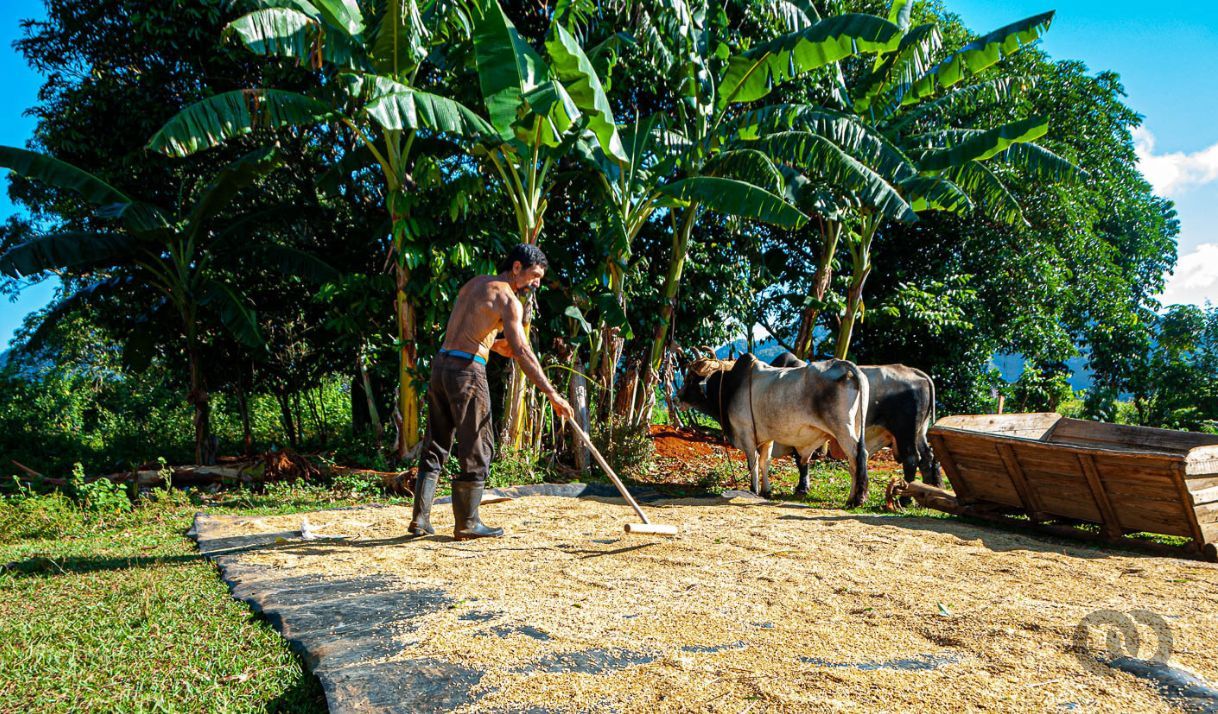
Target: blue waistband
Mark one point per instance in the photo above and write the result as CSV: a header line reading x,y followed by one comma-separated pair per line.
x,y
464,355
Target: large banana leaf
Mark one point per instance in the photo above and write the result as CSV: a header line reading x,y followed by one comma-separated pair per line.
x,y
402,107
752,75
400,38
549,114
935,193
986,144
214,120
228,181
978,55
238,318
342,14
734,198
748,165
812,197
899,13
508,68
284,32
987,189
787,15
847,131
66,250
142,218
896,72
60,174
820,158
965,100
573,68
292,261
1037,162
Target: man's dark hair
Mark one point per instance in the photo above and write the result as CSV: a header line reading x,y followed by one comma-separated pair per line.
x,y
527,255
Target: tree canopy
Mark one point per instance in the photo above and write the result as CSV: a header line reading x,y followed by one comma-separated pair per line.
x,y
869,179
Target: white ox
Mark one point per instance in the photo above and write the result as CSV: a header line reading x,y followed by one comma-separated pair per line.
x,y
758,405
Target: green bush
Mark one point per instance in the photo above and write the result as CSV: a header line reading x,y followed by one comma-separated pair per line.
x,y
628,449
357,485
27,516
513,468
100,496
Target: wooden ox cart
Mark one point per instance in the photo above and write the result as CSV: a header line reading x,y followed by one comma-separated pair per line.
x,y
1126,479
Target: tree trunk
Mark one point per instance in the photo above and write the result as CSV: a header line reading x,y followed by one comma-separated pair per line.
x,y
408,396
516,416
672,284
285,417
243,406
373,415
860,258
199,398
804,343
579,402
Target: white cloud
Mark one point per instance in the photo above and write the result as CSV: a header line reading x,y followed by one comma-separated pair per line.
x,y
1177,171
1195,279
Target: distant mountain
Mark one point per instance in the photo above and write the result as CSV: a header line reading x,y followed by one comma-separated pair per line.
x,y
1009,365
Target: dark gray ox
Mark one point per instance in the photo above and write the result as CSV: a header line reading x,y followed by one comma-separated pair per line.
x,y
900,411
758,405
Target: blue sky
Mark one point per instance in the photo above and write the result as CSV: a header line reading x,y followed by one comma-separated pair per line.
x,y
19,86
1167,56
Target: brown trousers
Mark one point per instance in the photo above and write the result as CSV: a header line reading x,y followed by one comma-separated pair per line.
x,y
458,405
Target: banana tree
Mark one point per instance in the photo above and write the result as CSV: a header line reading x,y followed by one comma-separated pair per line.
x,y
150,253
715,172
906,101
538,110
367,57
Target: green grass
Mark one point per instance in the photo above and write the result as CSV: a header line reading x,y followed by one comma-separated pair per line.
x,y
118,612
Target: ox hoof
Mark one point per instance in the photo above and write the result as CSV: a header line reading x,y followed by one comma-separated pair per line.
x,y
801,492
767,495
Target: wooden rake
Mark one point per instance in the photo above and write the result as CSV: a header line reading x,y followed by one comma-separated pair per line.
x,y
646,527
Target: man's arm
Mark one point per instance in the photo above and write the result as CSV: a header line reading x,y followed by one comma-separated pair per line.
x,y
513,330
501,347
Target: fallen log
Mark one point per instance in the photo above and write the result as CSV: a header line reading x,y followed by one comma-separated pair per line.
x,y
27,469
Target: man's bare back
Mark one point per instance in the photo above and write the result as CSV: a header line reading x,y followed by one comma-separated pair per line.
x,y
478,315
489,304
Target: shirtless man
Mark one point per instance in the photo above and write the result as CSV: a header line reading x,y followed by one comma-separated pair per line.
x,y
459,401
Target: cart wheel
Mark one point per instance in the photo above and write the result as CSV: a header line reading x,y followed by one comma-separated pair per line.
x,y
1210,552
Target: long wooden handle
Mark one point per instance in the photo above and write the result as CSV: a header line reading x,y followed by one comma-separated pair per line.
x,y
608,471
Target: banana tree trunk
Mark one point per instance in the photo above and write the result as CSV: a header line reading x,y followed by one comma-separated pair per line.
x,y
516,414
672,284
366,382
201,401
820,287
408,395
860,259
406,313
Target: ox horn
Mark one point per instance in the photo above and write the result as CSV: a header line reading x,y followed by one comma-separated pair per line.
x,y
709,352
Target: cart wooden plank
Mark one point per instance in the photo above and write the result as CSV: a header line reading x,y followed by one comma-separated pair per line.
x,y
1123,478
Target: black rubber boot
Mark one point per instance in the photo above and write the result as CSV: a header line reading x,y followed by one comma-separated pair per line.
x,y
467,496
424,493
